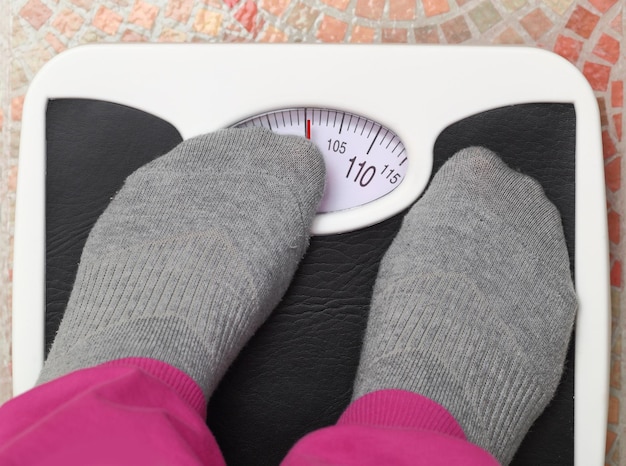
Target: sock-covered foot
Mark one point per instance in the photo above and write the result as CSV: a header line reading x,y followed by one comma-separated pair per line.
x,y
474,304
192,255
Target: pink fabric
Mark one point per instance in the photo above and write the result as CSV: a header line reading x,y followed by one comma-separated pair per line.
x,y
143,411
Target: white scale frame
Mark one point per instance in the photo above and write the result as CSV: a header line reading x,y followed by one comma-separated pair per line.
x,y
417,91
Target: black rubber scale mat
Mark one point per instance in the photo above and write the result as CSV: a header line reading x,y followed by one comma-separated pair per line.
x,y
296,373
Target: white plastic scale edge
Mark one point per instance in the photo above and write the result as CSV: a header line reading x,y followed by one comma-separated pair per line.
x,y
417,91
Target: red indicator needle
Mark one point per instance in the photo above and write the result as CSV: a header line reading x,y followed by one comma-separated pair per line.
x,y
308,129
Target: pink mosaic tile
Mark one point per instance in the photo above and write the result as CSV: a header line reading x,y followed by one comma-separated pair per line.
x,y
536,23
603,5
231,3
607,48
36,13
616,24
172,36
55,43
132,36
247,15
85,4
456,30
435,7
67,22
275,7
402,10
362,35
617,94
179,10
107,20
332,29
17,103
272,34
371,9
339,4
568,48
394,35
207,22
509,36
597,75
143,14
485,16
582,22
426,35
602,107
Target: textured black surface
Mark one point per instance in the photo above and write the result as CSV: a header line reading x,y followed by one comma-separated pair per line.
x,y
296,373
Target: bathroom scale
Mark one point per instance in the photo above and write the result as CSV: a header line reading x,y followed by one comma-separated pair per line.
x,y
386,117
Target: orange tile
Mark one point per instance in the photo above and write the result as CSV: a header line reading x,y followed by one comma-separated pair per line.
x,y
179,10
394,35
143,14
55,43
435,7
36,13
362,35
132,36
402,10
426,35
246,15
12,179
107,20
372,9
274,7
568,48
610,439
456,30
208,22
603,5
509,36
536,23
67,22
339,4
613,219
302,17
613,410
617,123
272,34
597,75
613,174
617,94
582,22
608,148
172,36
17,103
332,29
607,48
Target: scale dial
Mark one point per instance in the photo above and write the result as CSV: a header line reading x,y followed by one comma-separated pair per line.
x,y
364,160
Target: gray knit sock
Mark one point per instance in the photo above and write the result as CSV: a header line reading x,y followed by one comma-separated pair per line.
x,y
474,303
192,255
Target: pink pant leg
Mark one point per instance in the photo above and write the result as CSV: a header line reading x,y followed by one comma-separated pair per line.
x,y
392,428
127,412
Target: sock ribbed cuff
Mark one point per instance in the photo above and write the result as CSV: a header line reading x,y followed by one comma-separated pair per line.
x,y
401,409
184,386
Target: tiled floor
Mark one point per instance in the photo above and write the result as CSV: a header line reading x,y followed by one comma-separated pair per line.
x,y
589,33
